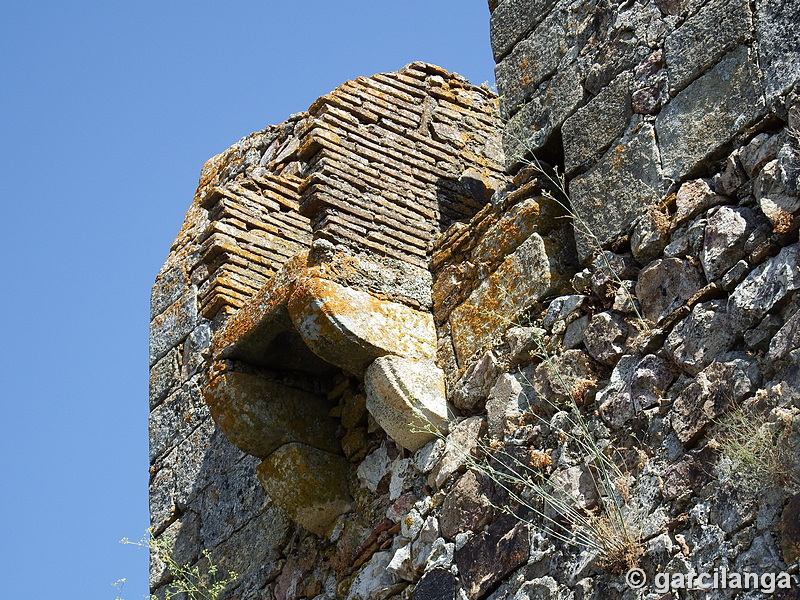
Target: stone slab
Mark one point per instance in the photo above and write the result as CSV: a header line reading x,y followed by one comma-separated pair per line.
x,y
408,399
700,122
259,415
309,484
621,186
350,328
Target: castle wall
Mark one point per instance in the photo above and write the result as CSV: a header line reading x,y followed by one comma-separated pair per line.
x,y
382,368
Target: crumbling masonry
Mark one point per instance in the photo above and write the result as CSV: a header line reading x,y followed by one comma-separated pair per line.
x,y
377,308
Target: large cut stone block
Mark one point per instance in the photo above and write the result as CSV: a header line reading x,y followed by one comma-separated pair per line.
x,y
171,283
704,38
593,127
170,328
407,398
525,276
534,59
350,328
309,484
620,187
259,415
779,44
703,119
536,123
514,19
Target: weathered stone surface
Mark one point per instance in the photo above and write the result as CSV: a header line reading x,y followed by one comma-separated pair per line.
x,y
259,415
400,566
514,19
512,228
264,534
698,339
789,528
730,178
786,339
776,188
173,420
374,581
436,584
694,197
540,118
525,276
164,377
507,399
758,338
535,58
523,342
374,468
687,241
573,487
688,474
177,476
227,502
758,152
169,328
702,119
592,128
608,269
650,84
425,458
541,588
171,283
731,507
462,446
605,337
350,328
625,301
650,235
466,506
636,384
613,193
711,393
704,37
566,378
665,285
764,287
619,40
262,332
564,308
779,44
422,546
407,398
441,555
573,334
729,231
309,484
489,556
735,275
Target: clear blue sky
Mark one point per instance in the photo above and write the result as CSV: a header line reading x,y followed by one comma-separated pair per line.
x,y
107,112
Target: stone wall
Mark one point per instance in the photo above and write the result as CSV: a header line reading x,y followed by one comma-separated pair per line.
x,y
632,98
383,367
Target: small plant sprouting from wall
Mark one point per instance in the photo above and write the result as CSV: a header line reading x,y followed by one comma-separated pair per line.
x,y
755,451
554,186
610,527
196,583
